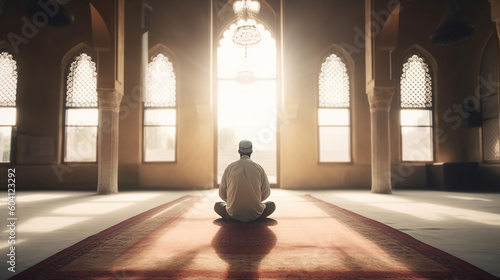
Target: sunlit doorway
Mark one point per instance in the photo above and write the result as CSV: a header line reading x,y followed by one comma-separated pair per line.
x,y
246,101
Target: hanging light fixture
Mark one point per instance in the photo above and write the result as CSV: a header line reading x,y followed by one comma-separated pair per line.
x,y
453,28
246,34
245,75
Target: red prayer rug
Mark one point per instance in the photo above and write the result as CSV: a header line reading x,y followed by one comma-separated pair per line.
x,y
306,238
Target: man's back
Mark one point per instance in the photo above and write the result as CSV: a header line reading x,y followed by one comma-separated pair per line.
x,y
244,186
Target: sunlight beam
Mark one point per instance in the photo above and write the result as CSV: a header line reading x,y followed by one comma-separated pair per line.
x,y
90,208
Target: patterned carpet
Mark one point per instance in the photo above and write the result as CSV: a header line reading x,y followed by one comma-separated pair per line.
x,y
306,238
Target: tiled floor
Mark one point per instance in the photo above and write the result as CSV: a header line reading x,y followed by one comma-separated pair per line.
x,y
466,225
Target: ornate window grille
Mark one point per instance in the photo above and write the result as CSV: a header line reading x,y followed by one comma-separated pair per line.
x,y
8,80
161,83
333,83
81,111
81,89
8,89
160,111
334,111
416,110
416,85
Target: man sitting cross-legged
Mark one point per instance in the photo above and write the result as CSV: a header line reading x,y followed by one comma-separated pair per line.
x,y
244,187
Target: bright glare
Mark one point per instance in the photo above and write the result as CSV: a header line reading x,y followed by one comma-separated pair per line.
x,y
467,198
416,135
6,244
126,197
39,197
435,212
410,117
90,208
87,116
247,110
8,116
261,58
371,198
49,224
163,211
328,116
426,211
254,6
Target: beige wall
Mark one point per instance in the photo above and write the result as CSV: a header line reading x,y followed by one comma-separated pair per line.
x,y
310,31
187,37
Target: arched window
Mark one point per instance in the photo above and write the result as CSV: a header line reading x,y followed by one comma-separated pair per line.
x,y
246,99
160,111
334,111
489,102
81,117
416,110
8,88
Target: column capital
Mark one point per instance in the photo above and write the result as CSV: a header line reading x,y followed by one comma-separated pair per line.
x,y
380,98
109,99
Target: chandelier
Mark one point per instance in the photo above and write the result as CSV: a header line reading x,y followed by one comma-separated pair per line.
x,y
245,74
246,34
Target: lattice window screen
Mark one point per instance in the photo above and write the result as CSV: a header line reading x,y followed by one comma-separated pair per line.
x,y
82,83
8,80
333,83
489,102
161,83
491,141
416,85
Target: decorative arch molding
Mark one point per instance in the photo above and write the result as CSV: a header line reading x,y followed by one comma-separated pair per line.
x,y
429,60
66,61
161,48
346,58
421,51
224,15
6,47
75,51
342,53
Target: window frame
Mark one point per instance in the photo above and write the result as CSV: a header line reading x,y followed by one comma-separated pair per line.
x,y
427,61
339,52
67,69
155,51
13,135
492,40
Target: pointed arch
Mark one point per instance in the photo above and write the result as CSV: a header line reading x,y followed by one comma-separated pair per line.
x,y
225,16
160,106
8,94
416,100
421,51
334,105
75,51
100,31
79,104
6,47
490,100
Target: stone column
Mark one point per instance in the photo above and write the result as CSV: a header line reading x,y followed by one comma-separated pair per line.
x,y
380,101
107,153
